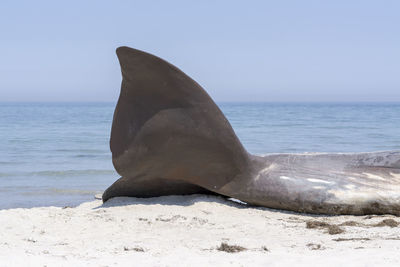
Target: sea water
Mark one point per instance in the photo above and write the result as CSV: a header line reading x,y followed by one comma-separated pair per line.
x,y
57,154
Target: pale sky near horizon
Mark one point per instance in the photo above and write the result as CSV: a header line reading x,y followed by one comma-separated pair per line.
x,y
237,50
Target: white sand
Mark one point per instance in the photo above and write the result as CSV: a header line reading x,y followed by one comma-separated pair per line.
x,y
185,231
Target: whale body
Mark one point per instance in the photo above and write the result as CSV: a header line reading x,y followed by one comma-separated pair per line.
x,y
168,137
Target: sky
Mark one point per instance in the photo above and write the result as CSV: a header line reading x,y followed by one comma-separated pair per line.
x,y
272,51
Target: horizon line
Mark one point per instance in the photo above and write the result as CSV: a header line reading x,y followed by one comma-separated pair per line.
x,y
223,101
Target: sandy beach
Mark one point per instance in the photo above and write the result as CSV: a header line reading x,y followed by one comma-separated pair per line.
x,y
194,230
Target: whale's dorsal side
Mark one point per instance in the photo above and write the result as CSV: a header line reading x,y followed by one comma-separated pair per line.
x,y
169,137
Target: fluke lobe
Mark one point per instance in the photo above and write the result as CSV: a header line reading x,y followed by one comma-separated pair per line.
x,y
169,137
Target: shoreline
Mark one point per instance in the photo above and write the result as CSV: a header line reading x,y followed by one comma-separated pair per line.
x,y
194,230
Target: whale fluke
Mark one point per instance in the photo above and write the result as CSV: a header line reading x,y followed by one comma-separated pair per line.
x,y
169,137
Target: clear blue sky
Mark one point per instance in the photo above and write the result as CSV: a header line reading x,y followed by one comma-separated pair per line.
x,y
237,50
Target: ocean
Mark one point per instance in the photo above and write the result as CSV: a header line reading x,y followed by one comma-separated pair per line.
x,y
57,154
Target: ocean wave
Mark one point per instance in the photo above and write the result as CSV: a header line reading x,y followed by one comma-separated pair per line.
x,y
60,173
72,172
74,191
59,191
95,151
89,156
11,162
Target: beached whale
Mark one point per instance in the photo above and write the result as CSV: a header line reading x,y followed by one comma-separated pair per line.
x,y
169,137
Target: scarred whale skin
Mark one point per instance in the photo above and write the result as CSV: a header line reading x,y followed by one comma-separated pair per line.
x,y
169,137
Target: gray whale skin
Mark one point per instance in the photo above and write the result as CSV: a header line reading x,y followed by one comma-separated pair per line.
x,y
168,137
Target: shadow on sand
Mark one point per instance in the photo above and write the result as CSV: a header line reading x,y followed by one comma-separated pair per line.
x,y
188,200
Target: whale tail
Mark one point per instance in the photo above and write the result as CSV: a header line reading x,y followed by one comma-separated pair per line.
x,y
168,136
